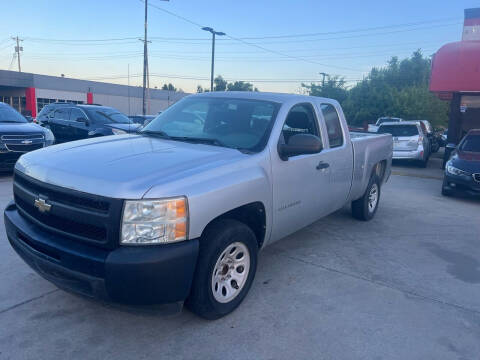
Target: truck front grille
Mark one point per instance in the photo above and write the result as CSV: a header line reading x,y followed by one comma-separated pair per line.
x,y
23,142
73,214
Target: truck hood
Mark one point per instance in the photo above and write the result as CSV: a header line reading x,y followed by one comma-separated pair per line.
x,y
122,166
131,128
20,128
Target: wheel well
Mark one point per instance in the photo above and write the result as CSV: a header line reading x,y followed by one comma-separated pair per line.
x,y
252,215
379,170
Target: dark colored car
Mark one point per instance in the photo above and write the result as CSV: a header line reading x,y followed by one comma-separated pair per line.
x,y
462,171
75,122
18,136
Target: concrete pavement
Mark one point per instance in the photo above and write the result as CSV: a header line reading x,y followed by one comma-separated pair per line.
x,y
404,286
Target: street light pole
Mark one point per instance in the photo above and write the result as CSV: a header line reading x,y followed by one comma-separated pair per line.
x,y
323,79
213,32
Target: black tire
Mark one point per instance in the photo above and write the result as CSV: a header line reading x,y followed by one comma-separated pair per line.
x,y
216,239
360,208
445,190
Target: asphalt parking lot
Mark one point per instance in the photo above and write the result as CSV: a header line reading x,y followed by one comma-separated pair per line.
x,y
404,286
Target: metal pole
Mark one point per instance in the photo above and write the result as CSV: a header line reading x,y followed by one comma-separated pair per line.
x,y
213,61
145,61
128,88
18,56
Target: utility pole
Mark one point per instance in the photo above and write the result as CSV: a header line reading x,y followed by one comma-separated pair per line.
x,y
213,32
145,61
323,79
18,48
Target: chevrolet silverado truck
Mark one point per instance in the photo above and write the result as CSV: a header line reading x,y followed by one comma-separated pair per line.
x,y
179,212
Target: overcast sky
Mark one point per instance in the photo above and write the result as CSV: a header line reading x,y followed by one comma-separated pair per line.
x,y
291,40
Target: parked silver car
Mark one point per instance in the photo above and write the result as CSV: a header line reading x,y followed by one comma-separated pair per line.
x,y
409,141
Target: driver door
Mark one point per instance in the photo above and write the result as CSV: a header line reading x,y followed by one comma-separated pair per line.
x,y
301,192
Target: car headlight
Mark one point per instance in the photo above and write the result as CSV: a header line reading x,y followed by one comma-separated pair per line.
x,y
49,137
455,171
118,131
147,222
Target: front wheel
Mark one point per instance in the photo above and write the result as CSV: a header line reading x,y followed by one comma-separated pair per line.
x,y
226,267
366,207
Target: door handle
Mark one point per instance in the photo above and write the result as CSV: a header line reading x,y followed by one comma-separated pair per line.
x,y
322,165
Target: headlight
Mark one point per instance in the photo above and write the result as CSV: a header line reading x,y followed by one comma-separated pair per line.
x,y
147,222
49,138
454,171
118,131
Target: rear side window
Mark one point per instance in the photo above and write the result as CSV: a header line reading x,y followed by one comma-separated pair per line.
x,y
76,114
398,130
334,127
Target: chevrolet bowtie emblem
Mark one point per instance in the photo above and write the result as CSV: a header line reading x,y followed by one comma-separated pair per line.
x,y
26,142
42,205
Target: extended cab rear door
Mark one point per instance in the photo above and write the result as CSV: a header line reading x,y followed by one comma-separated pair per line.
x,y
338,153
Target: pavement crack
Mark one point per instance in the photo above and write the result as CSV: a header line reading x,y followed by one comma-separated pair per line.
x,y
27,301
383,284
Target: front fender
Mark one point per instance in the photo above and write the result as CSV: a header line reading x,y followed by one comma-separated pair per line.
x,y
217,191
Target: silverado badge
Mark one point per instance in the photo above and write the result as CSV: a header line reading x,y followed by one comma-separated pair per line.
x,y
42,205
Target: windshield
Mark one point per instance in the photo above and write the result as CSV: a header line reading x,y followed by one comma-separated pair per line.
x,y
471,143
398,130
237,123
107,115
384,120
9,114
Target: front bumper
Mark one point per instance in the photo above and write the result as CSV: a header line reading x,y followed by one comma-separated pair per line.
x,y
141,275
8,160
408,155
461,183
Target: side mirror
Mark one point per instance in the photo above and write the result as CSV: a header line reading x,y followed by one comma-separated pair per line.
x,y
83,120
300,144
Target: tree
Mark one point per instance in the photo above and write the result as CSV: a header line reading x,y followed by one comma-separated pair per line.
x,y
219,84
334,87
399,89
240,86
169,87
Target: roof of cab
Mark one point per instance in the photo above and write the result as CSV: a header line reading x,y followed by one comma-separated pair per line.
x,y
266,96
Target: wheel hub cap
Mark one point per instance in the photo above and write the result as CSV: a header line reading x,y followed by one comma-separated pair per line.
x,y
230,272
373,198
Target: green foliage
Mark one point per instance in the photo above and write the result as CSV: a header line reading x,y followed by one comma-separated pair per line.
x,y
219,84
400,89
169,87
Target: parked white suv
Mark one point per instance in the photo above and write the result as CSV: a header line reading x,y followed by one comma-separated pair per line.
x,y
409,141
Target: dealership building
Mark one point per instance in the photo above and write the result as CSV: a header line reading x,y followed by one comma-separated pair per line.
x,y
28,93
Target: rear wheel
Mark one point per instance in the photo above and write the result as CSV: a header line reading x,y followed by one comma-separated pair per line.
x,y
226,267
366,207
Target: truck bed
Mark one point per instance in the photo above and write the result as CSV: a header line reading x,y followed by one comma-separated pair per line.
x,y
369,149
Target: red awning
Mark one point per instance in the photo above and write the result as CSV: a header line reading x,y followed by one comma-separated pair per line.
x,y
456,68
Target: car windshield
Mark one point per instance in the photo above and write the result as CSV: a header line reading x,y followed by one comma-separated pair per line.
x,y
384,120
471,143
9,114
242,124
108,115
398,130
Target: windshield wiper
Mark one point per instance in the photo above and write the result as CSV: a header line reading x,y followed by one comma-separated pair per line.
x,y
210,141
158,133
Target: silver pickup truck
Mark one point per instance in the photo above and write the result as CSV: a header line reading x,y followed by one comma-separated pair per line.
x,y
179,212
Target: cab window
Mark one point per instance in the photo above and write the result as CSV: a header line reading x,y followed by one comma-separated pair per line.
x,y
334,127
300,120
62,114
